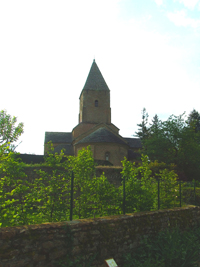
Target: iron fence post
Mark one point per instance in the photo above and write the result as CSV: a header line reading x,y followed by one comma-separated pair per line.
x,y
180,192
72,191
194,193
158,193
124,196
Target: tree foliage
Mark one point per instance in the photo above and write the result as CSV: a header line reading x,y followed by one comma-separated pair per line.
x,y
94,195
46,198
175,141
14,200
9,131
143,130
194,120
139,186
51,189
142,186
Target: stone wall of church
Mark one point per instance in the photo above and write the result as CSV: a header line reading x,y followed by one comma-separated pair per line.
x,y
95,113
116,152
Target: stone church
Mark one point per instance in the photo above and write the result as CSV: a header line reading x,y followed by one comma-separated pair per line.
x,y
95,128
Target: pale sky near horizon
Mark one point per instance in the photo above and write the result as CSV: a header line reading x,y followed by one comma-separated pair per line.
x,y
147,51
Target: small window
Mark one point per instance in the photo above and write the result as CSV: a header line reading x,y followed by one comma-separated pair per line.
x,y
107,156
96,103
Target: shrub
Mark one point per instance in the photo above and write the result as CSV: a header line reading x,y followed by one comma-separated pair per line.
x,y
170,248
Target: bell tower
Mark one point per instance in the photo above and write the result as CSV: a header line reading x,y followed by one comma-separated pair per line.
x,y
95,99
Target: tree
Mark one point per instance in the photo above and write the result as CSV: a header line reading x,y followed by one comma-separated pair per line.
x,y
14,200
9,131
143,129
140,186
163,144
51,190
194,120
189,153
175,141
155,125
94,196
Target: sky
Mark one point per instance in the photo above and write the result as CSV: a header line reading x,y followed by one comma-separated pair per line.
x,y
147,51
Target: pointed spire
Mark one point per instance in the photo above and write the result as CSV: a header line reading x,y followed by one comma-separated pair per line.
x,y
95,80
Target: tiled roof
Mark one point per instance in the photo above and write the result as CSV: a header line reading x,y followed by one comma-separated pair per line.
x,y
58,137
102,135
134,142
68,149
95,80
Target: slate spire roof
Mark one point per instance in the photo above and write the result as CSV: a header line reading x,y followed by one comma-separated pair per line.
x,y
95,80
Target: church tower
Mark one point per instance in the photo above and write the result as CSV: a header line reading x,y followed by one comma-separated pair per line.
x,y
95,99
94,127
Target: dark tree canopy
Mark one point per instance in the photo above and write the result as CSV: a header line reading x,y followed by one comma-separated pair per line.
x,y
174,141
194,120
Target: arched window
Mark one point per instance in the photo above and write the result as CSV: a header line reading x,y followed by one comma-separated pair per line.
x,y
96,103
107,156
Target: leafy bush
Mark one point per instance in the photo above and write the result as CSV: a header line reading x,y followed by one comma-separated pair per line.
x,y
47,197
94,196
169,189
170,248
14,190
191,197
141,187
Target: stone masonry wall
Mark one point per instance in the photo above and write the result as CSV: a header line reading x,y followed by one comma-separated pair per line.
x,y
89,112
117,152
107,237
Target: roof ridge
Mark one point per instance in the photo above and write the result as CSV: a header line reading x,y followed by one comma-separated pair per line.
x,y
102,135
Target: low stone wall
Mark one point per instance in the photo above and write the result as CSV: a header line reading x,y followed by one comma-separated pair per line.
x,y
114,236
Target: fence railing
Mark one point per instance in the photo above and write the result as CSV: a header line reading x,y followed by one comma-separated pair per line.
x,y
73,198
181,193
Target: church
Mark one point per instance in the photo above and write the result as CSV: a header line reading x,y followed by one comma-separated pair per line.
x,y
95,128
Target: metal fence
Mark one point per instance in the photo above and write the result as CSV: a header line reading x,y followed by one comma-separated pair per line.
x,y
185,194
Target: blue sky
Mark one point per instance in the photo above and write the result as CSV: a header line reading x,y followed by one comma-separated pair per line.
x,y
148,52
